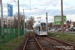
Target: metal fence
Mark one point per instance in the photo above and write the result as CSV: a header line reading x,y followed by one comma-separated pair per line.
x,y
9,34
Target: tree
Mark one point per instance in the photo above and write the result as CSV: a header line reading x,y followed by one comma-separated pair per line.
x,y
16,20
30,23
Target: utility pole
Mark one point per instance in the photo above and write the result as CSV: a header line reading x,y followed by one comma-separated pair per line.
x,y
24,21
2,19
18,22
62,16
47,22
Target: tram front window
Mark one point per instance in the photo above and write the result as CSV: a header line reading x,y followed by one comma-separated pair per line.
x,y
43,28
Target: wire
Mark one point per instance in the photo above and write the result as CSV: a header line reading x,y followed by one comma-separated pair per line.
x,y
16,3
47,5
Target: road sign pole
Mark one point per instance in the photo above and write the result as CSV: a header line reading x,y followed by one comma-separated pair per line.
x,y
62,16
2,20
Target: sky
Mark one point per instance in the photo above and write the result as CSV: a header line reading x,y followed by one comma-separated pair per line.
x,y
38,8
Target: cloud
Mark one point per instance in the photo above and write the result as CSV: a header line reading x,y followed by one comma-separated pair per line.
x,y
71,17
37,11
11,1
70,7
45,2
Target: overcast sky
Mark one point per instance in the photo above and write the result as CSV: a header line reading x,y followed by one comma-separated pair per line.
x,y
40,7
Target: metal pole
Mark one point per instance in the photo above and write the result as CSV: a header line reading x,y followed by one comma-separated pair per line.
x,y
47,22
24,21
40,23
62,16
18,22
2,20
10,23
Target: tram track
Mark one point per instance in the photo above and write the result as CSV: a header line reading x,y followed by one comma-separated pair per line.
x,y
33,42
60,44
47,45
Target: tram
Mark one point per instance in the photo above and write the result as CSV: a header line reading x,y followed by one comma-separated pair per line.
x,y
40,29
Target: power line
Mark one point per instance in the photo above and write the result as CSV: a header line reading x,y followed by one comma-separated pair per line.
x,y
16,3
47,5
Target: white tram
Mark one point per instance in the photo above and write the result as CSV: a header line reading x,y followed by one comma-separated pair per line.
x,y
40,29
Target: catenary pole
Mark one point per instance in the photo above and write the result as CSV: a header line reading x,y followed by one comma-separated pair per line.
x,y
18,22
62,16
47,22
2,20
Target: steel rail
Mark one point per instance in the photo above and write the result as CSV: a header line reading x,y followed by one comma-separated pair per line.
x,y
66,43
53,44
25,44
38,43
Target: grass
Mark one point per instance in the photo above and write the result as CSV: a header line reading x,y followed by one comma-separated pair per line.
x,y
12,44
64,32
65,37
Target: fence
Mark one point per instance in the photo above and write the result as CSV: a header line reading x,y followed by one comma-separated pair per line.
x,y
9,34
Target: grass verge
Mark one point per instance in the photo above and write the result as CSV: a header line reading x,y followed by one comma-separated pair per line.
x,y
65,37
12,44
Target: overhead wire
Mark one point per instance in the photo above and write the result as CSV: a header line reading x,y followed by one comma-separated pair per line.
x,y
47,5
16,3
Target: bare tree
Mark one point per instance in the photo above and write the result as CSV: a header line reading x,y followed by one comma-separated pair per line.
x,y
16,21
30,23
